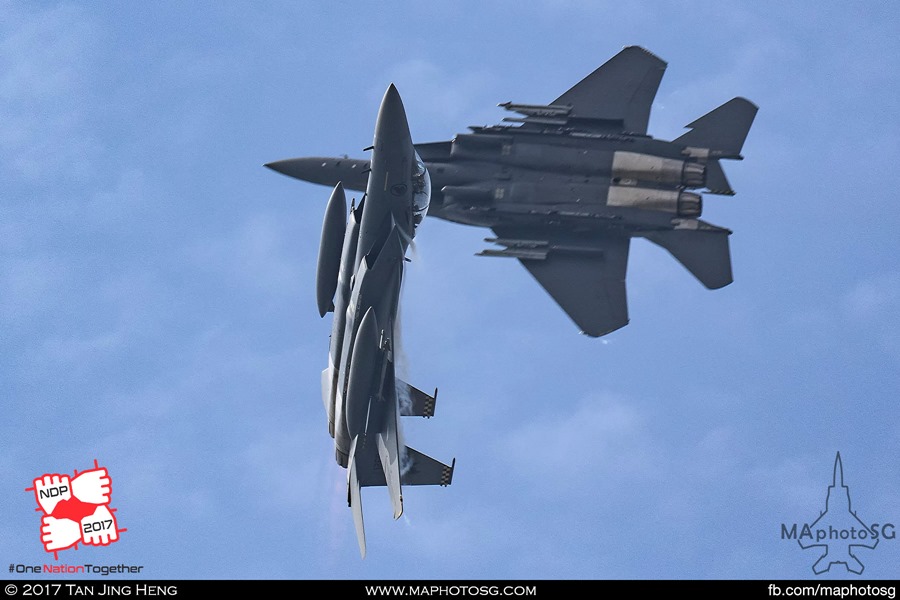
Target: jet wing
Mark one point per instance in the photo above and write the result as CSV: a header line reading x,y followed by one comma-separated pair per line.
x,y
584,273
621,89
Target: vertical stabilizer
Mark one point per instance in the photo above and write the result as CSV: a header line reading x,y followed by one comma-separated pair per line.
x,y
354,499
389,453
723,129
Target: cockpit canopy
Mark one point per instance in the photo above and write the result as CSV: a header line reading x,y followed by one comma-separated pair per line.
x,y
421,182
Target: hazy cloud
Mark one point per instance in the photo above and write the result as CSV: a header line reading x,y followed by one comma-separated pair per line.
x,y
874,298
45,64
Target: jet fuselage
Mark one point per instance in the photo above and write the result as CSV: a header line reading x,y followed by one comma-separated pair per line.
x,y
358,278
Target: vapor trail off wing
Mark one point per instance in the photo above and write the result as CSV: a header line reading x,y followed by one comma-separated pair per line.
x,y
585,274
417,469
621,89
414,402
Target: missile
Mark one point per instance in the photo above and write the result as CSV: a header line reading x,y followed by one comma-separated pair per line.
x,y
538,110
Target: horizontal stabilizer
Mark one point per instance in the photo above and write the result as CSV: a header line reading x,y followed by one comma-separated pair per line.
x,y
420,469
389,454
716,182
414,402
723,130
702,250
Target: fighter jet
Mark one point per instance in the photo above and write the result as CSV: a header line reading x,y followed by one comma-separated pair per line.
x,y
566,185
359,272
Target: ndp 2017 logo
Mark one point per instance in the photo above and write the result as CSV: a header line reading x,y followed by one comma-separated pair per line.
x,y
76,509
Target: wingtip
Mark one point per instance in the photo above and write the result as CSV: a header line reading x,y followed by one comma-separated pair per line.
x,y
750,102
636,48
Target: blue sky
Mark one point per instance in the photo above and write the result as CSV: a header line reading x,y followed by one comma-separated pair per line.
x,y
157,303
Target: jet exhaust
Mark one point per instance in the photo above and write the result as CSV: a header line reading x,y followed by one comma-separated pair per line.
x,y
657,170
681,203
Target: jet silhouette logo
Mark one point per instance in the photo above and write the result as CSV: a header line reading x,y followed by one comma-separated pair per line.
x,y
838,532
75,509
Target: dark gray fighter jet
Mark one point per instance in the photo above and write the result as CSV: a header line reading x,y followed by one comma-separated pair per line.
x,y
358,277
567,186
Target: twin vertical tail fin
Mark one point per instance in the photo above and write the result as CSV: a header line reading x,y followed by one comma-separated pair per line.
x,y
421,469
379,458
418,468
723,130
354,499
406,467
388,444
414,402
703,248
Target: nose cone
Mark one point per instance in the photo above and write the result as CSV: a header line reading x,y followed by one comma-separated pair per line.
x,y
391,126
307,169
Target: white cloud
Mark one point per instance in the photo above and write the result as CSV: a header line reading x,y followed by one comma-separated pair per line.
x,y
119,203
45,60
874,304
39,50
278,464
257,255
603,436
29,285
433,95
874,298
82,349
